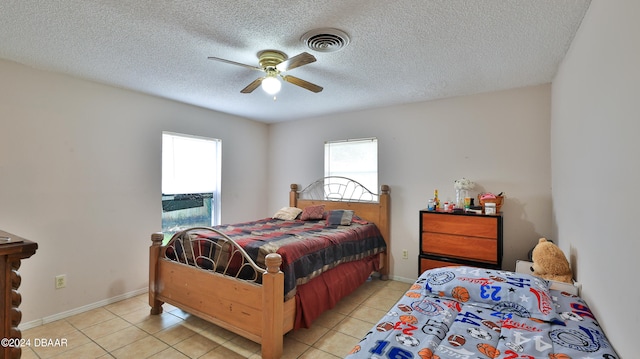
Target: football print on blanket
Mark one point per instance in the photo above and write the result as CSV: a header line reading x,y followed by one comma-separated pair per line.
x,y
456,340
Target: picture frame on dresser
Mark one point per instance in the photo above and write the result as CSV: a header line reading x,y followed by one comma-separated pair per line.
x,y
449,238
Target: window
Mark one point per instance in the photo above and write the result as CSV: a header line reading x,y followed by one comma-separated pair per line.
x,y
356,159
190,181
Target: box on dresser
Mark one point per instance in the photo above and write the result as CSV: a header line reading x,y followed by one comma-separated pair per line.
x,y
448,238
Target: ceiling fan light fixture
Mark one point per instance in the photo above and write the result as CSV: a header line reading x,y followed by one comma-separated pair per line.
x,y
271,85
273,63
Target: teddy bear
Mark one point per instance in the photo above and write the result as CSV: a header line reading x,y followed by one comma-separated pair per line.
x,y
549,262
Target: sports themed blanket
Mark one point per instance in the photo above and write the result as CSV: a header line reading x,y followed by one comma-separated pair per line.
x,y
471,313
308,248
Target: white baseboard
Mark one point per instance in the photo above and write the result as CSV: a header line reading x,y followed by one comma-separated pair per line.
x,y
84,308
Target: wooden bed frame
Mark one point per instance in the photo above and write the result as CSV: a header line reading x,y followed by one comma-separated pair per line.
x,y
255,311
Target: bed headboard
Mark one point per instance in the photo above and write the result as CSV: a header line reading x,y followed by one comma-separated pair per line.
x,y
339,193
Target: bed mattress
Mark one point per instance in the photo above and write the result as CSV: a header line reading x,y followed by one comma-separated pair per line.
x,y
308,248
468,312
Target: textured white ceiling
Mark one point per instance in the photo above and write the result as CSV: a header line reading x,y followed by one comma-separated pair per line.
x,y
400,51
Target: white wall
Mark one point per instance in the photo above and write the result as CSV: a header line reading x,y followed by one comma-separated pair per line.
x,y
499,140
595,166
80,167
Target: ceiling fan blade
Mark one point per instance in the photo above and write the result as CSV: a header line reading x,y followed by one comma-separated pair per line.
x,y
302,83
296,61
252,86
234,63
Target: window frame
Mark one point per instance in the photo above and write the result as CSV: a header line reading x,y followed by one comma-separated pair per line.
x,y
372,183
217,175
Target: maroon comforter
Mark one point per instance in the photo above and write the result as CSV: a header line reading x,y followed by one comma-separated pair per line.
x,y
308,248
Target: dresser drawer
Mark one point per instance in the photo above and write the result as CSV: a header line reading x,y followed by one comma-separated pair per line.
x,y
448,238
456,246
429,263
476,226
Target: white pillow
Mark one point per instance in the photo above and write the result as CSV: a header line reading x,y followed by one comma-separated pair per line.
x,y
287,213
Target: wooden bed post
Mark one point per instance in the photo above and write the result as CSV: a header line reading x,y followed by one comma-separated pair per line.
x,y
154,257
385,227
273,307
293,195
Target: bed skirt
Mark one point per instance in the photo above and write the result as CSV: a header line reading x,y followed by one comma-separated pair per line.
x,y
326,290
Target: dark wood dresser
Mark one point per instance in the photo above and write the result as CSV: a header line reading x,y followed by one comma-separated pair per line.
x,y
11,253
459,239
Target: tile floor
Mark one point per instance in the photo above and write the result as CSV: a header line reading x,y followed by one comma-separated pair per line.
x,y
126,330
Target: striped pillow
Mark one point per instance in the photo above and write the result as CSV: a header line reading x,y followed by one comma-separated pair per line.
x,y
340,217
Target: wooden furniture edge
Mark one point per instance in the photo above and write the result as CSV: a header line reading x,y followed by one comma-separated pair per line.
x,y
154,257
385,227
272,307
11,256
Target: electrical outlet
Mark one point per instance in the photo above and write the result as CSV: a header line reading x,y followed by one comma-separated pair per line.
x,y
61,281
405,254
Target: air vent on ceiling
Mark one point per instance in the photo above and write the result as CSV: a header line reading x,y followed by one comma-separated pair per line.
x,y
325,40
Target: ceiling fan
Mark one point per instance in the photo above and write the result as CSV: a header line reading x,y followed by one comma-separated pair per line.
x,y
273,63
